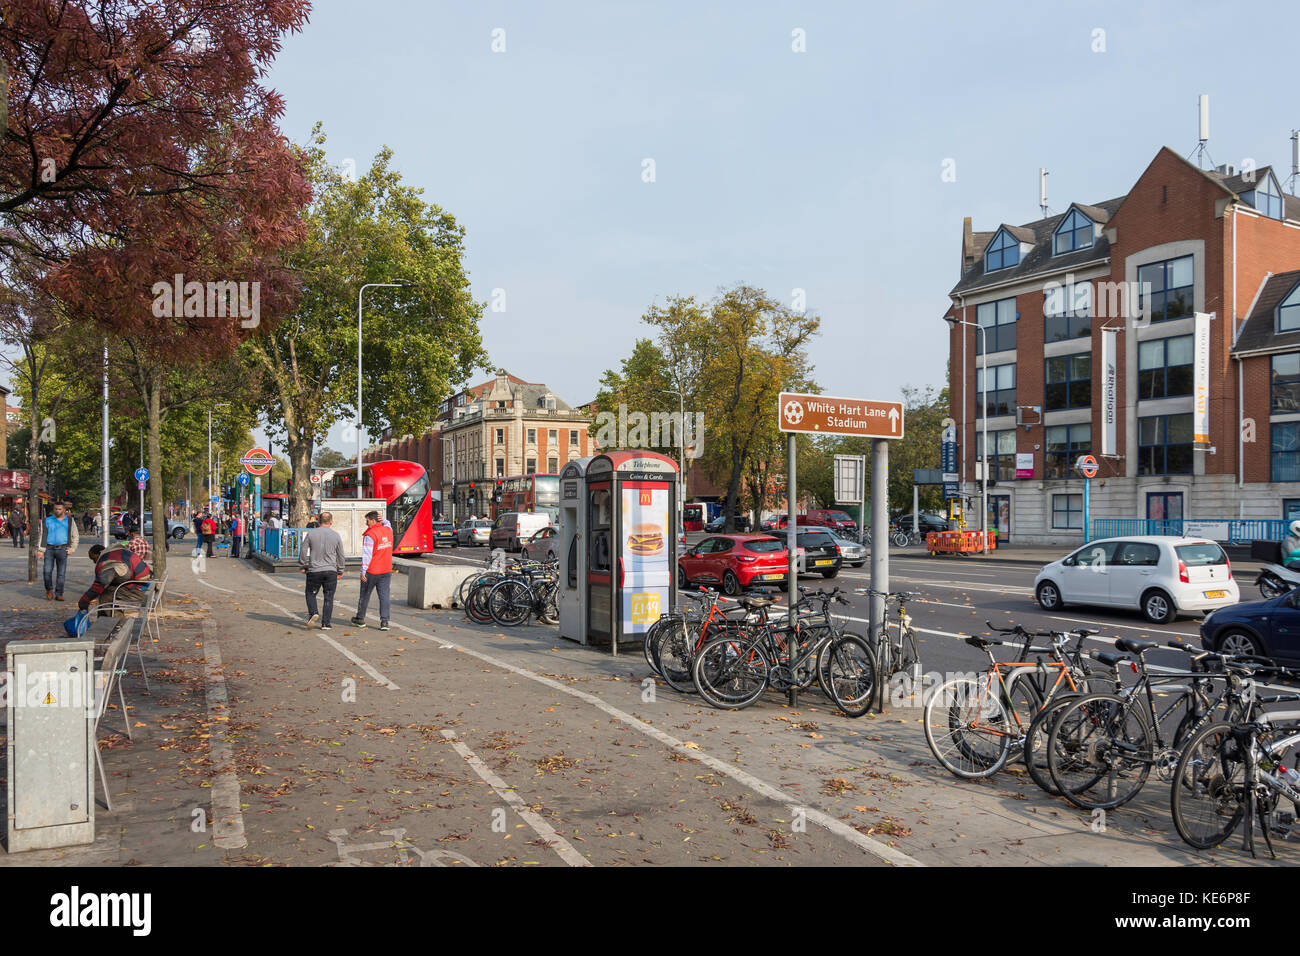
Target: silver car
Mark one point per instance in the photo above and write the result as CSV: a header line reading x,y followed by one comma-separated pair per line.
x,y
854,554
474,531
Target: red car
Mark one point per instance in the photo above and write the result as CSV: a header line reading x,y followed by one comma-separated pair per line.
x,y
830,518
734,562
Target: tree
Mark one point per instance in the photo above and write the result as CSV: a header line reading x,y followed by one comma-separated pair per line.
x,y
112,110
329,458
421,341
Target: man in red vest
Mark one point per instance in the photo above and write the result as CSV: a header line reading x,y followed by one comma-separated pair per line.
x,y
376,569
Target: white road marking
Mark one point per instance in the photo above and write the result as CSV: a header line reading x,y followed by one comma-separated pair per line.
x,y
227,817
374,674
877,849
213,586
1127,627
562,847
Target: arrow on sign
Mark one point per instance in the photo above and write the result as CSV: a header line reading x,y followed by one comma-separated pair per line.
x,y
893,419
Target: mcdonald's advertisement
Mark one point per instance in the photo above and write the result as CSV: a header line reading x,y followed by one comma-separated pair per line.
x,y
645,551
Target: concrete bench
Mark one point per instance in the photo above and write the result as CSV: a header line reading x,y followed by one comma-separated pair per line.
x,y
433,585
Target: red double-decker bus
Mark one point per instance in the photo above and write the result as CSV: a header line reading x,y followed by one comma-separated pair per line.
x,y
539,493
405,486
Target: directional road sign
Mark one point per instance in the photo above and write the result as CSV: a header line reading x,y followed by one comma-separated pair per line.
x,y
142,474
829,415
242,479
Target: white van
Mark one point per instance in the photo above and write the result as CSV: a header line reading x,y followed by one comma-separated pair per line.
x,y
513,528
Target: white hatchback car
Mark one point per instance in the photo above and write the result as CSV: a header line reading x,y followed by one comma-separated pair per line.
x,y
1160,576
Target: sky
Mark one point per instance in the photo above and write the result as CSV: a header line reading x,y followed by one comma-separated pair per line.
x,y
820,170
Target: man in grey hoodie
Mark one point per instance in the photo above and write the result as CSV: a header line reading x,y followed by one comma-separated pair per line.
x,y
321,558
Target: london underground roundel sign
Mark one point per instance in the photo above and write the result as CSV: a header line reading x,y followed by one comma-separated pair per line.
x,y
257,461
1086,465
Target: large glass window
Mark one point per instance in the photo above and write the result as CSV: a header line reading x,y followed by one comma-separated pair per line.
x,y
1285,383
1288,311
1069,381
1001,394
1067,312
1165,367
1285,451
1165,445
1002,253
1074,232
1002,459
1171,284
402,511
998,319
1266,197
1067,512
1065,443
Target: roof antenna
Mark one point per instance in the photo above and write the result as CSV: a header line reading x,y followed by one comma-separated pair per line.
x,y
1295,161
1203,129
1042,191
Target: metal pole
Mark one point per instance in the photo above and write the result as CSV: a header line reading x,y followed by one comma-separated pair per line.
x,y
103,461
681,461
862,513
792,546
879,538
916,508
359,295
984,473
141,483
208,492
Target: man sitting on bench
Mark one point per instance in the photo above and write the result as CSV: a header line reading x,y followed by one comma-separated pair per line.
x,y
114,567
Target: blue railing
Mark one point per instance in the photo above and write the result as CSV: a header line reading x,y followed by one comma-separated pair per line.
x,y
1227,530
279,543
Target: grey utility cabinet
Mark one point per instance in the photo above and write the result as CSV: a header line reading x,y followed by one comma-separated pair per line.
x,y
52,710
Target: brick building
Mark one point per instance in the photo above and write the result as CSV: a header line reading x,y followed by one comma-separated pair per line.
x,y
1224,242
499,428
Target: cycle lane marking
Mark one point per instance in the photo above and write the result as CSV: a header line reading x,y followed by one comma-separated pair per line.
x,y
562,847
374,674
872,847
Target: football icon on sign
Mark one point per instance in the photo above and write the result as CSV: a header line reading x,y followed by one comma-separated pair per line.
x,y
793,412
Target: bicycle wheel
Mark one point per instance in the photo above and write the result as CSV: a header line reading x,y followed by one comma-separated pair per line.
x,y
1100,751
648,645
1023,701
962,721
462,592
851,674
1035,752
1207,796
675,653
510,602
900,539
731,672
476,601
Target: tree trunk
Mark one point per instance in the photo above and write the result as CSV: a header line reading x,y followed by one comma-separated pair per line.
x,y
733,487
154,438
37,482
300,449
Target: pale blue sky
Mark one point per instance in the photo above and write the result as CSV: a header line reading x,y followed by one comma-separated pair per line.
x,y
817,170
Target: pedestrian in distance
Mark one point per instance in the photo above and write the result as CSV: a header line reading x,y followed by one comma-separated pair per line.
x,y
17,524
209,529
320,556
376,569
56,536
236,529
114,567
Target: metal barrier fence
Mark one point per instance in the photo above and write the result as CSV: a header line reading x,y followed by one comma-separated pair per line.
x,y
280,543
1227,530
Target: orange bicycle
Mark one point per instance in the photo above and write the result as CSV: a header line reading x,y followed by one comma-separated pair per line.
x,y
973,724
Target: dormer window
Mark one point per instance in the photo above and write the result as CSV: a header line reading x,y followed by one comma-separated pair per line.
x,y
1075,232
1266,197
1002,253
1288,311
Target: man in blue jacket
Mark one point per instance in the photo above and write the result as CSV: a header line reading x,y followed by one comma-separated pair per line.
x,y
56,536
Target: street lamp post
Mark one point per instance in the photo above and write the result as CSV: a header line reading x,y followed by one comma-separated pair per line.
x,y
209,491
361,292
681,452
984,392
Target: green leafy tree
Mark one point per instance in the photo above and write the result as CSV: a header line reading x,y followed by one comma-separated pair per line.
x,y
420,342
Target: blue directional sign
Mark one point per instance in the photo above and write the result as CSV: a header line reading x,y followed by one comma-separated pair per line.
x,y
243,478
142,474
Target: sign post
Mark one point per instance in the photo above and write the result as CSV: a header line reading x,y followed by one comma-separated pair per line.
x,y
1086,466
858,418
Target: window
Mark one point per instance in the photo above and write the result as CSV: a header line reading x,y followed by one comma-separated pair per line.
x,y
1074,232
1065,443
532,436
1067,312
1002,447
1001,395
1067,512
1002,253
1266,197
1285,383
531,467
1165,367
1171,288
1166,506
1137,554
1165,445
501,436
552,465
1094,555
553,437
1285,450
1069,381
501,467
1288,312
573,436
998,319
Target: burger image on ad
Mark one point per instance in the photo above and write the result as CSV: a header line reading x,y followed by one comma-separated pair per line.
x,y
645,539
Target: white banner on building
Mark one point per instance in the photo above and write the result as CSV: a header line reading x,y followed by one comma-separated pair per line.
x,y
1109,388
1201,380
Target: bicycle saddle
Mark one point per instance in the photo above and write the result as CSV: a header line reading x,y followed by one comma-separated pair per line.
x,y
980,642
1086,631
754,603
1110,660
1134,646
